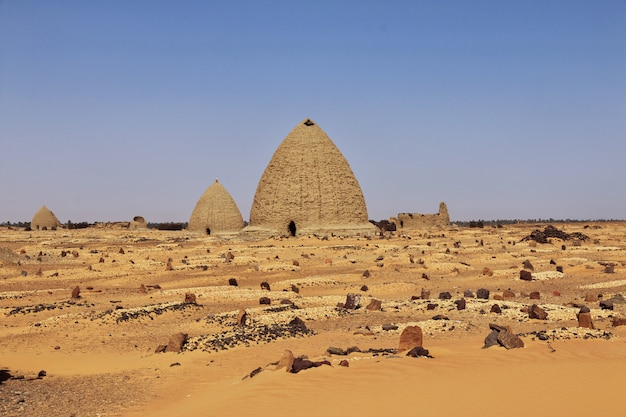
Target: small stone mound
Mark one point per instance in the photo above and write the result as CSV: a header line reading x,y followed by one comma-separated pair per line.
x,y
552,232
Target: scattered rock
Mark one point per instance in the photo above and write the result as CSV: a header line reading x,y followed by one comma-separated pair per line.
x,y
460,304
366,273
374,305
265,300
508,294
468,294
336,351
482,293
388,327
265,286
411,337
418,351
364,288
535,295
176,342
584,320
495,309
233,282
487,272
344,363
242,317
445,295
76,292
509,340
536,312
527,265
619,321
425,294
190,298
525,275
352,301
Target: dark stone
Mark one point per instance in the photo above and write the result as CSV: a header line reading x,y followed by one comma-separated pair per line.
x,y
41,374
265,300
495,309
374,305
366,274
352,301
535,295
536,312
425,294
609,269
300,364
295,263
528,265
418,351
265,286
525,275
190,298
460,304
491,339
431,306
298,324
256,372
176,342
364,288
509,340
76,292
424,276
344,362
468,294
295,289
440,317
336,351
606,304
160,349
445,295
559,269
352,349
387,327
233,282
482,293
584,309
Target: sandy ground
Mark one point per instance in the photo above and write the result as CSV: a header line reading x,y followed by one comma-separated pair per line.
x,y
98,350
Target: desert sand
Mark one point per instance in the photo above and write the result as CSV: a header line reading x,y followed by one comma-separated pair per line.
x,y
98,348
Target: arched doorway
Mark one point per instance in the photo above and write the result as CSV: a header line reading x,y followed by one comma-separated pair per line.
x,y
292,228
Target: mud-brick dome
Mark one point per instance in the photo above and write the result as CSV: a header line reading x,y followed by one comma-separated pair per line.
x,y
44,218
308,187
216,212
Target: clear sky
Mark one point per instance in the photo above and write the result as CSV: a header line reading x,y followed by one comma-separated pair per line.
x,y
502,109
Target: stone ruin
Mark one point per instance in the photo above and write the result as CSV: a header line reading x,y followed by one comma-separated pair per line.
x,y
307,188
422,221
138,222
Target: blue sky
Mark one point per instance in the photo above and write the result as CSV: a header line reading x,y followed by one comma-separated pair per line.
x,y
502,109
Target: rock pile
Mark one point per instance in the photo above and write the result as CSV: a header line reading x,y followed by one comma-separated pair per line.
x,y
552,232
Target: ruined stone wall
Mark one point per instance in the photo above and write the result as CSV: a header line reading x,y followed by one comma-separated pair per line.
x,y
422,221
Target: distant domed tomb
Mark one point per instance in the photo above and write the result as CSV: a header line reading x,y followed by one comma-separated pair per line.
x,y
216,213
44,219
